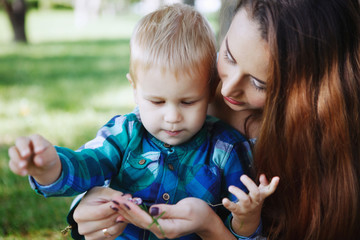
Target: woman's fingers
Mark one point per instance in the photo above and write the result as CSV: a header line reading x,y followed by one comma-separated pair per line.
x,y
85,228
106,233
94,213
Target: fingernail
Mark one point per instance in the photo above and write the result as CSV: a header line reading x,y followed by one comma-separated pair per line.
x,y
39,150
135,200
22,164
39,161
114,208
116,202
127,206
154,211
25,153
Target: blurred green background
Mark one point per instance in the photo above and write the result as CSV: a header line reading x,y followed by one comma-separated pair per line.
x,y
64,83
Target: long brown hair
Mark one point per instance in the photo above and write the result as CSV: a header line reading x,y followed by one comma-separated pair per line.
x,y
310,133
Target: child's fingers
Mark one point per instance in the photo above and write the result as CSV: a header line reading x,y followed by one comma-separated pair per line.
x,y
229,205
263,180
16,163
44,152
254,192
273,185
39,143
268,189
24,147
28,148
239,194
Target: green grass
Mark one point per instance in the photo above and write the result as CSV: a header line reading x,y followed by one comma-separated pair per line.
x,y
65,84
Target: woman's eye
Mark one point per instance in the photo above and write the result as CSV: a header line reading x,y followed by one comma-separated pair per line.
x,y
257,84
228,57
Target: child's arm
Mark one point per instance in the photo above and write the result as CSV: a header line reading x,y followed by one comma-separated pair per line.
x,y
247,211
35,156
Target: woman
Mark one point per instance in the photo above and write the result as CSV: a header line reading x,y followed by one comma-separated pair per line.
x,y
295,86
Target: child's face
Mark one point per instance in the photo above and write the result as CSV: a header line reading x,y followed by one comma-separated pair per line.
x,y
173,110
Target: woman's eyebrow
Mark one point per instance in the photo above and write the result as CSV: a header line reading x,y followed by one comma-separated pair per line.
x,y
228,49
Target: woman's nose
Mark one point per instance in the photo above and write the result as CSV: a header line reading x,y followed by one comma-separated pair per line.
x,y
232,84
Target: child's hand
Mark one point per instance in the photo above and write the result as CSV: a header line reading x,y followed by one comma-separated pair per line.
x,y
247,211
35,156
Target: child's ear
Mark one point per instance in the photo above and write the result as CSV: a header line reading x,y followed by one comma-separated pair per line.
x,y
130,80
133,86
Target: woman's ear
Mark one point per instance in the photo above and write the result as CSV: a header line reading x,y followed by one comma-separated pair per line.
x,y
131,81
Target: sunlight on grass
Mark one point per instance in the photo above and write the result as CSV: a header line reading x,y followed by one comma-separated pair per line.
x,y
64,85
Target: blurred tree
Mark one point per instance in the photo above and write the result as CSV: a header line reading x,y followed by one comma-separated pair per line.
x,y
190,2
86,10
226,14
16,10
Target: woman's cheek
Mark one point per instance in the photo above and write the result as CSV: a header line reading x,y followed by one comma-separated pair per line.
x,y
257,100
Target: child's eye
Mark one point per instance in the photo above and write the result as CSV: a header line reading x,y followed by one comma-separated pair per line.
x,y
188,102
157,102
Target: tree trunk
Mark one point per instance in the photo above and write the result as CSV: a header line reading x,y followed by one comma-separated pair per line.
x,y
16,12
225,18
190,2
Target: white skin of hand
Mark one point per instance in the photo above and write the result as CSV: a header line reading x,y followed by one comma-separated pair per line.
x,y
35,156
93,214
190,215
247,211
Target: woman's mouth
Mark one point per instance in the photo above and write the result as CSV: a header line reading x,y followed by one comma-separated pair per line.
x,y
232,101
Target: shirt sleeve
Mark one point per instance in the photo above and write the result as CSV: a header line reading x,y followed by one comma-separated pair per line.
x,y
255,236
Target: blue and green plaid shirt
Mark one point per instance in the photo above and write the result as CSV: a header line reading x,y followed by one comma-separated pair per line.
x,y
138,163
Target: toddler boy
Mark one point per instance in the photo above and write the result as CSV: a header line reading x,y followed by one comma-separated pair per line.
x,y
167,149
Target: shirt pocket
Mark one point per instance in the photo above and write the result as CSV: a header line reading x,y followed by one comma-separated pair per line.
x,y
204,181
139,170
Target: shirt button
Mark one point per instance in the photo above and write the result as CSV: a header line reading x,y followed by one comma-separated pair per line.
x,y
142,162
171,167
167,145
166,196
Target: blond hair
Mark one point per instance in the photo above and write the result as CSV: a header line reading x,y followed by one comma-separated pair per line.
x,y
175,38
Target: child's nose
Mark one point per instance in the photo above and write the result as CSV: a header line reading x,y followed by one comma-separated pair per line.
x,y
172,115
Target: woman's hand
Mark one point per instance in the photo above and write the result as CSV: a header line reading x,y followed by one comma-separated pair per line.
x,y
247,211
94,214
190,215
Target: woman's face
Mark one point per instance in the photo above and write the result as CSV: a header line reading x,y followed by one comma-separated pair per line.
x,y
243,65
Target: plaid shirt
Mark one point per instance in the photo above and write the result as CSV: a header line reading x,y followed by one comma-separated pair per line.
x,y
138,163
